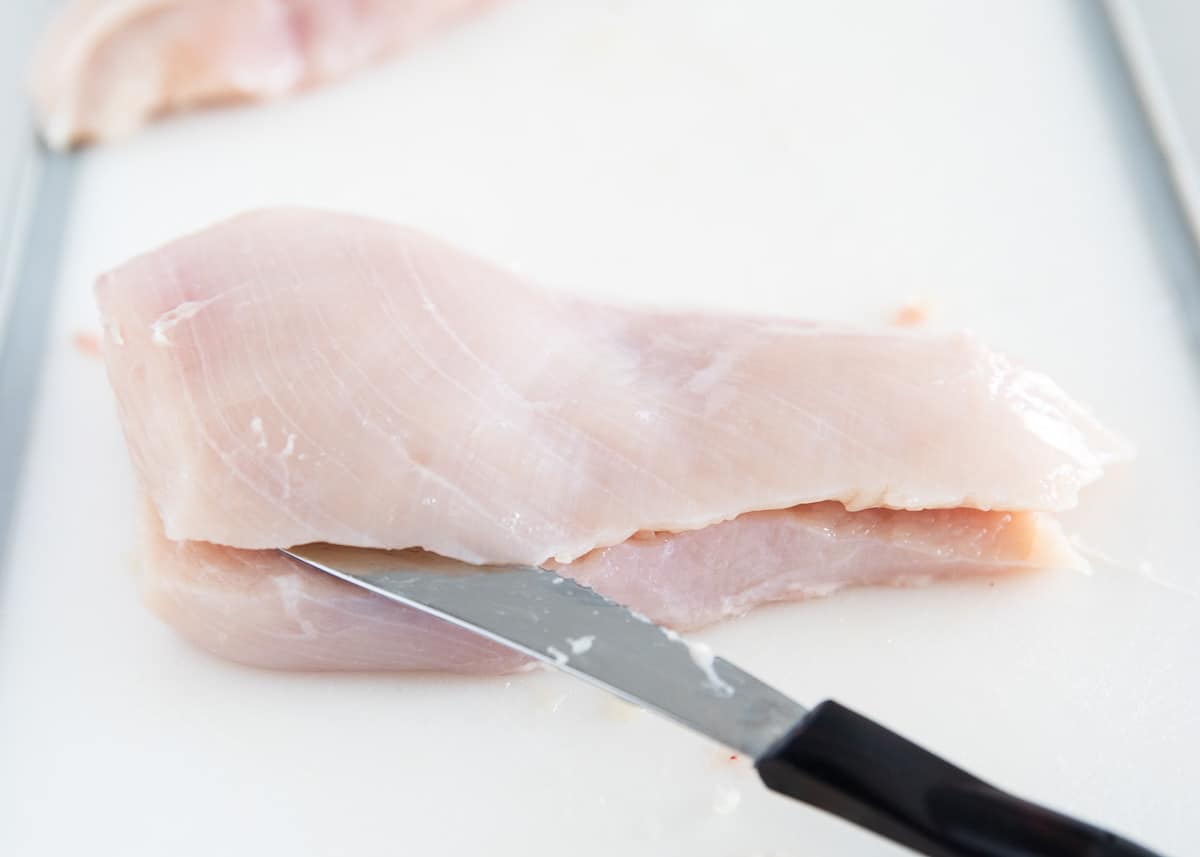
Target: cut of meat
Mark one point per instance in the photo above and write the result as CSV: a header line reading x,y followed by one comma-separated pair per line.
x,y
691,579
107,66
260,608
291,377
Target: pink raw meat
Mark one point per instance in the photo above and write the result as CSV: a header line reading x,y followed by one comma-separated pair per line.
x,y
292,376
258,607
108,66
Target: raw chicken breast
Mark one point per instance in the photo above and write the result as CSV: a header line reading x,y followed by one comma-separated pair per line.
x,y
292,377
107,66
260,608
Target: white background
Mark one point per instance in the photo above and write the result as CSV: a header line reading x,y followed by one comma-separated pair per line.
x,y
817,159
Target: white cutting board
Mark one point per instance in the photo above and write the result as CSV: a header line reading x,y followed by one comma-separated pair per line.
x,y
819,159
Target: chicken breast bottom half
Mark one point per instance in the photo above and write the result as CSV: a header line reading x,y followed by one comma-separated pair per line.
x,y
293,376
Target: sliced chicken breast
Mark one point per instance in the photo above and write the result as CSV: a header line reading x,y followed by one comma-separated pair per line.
x,y
292,376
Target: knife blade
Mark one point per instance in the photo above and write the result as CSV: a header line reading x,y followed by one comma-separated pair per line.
x,y
830,757
558,621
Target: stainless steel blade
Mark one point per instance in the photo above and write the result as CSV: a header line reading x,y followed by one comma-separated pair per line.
x,y
573,628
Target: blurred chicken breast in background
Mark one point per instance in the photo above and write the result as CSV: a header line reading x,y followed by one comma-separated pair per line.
x,y
106,67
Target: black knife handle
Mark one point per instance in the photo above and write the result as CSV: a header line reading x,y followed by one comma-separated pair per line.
x,y
843,763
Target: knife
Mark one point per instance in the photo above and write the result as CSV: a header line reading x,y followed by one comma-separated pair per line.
x,y
829,757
